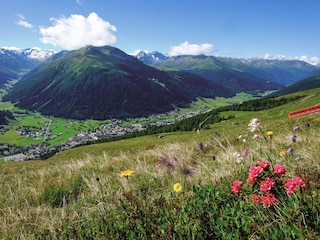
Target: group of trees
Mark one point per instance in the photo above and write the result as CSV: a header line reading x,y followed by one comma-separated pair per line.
x,y
4,116
205,119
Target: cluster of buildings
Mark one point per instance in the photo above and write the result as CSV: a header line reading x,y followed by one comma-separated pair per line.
x,y
113,129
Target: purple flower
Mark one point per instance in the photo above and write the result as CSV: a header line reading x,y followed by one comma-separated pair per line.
x,y
293,138
200,146
245,152
298,159
290,150
307,125
213,158
296,128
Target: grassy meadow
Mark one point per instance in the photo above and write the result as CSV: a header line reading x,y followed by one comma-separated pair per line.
x,y
178,186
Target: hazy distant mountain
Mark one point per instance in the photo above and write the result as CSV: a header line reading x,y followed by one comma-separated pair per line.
x,y
285,72
240,74
306,84
15,62
232,74
104,82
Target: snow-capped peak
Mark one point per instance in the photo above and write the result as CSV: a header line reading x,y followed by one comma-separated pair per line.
x,y
31,53
151,57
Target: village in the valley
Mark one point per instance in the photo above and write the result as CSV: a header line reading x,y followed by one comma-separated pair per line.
x,y
115,128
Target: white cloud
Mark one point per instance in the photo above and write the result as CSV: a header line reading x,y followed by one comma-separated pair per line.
x,y
135,52
22,22
79,2
77,31
191,49
311,60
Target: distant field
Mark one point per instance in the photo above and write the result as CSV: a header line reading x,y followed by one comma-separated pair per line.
x,y
208,103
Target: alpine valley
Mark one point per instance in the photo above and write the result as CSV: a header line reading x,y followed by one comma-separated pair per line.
x,y
105,82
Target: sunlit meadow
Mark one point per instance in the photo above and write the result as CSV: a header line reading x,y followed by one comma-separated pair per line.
x,y
174,189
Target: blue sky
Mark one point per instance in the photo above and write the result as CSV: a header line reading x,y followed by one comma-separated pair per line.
x,y
229,28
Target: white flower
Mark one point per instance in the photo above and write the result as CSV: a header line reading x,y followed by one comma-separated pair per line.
x,y
254,125
238,157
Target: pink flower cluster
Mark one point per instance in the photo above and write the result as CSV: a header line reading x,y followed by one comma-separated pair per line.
x,y
236,186
266,184
291,184
267,200
279,169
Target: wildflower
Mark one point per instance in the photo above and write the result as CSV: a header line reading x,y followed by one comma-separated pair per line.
x,y
213,158
296,128
256,137
291,184
236,186
243,137
263,164
269,133
177,187
298,181
245,153
254,125
268,199
200,146
290,151
298,159
217,134
187,170
279,169
307,125
282,153
238,158
293,138
266,185
256,198
253,174
126,173
166,164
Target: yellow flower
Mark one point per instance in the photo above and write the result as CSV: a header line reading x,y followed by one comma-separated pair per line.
x,y
126,173
177,187
269,133
282,153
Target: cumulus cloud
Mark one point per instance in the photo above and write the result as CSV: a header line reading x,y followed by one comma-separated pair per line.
x,y
22,22
191,49
311,60
77,31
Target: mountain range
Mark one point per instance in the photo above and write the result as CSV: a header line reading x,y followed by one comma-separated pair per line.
x,y
15,62
283,72
104,82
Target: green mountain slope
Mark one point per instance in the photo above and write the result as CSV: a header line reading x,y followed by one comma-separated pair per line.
x,y
104,82
306,84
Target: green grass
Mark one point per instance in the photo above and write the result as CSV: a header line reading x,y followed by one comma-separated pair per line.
x,y
79,194
208,103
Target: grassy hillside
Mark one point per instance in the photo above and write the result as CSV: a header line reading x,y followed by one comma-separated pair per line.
x,y
179,188
306,84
